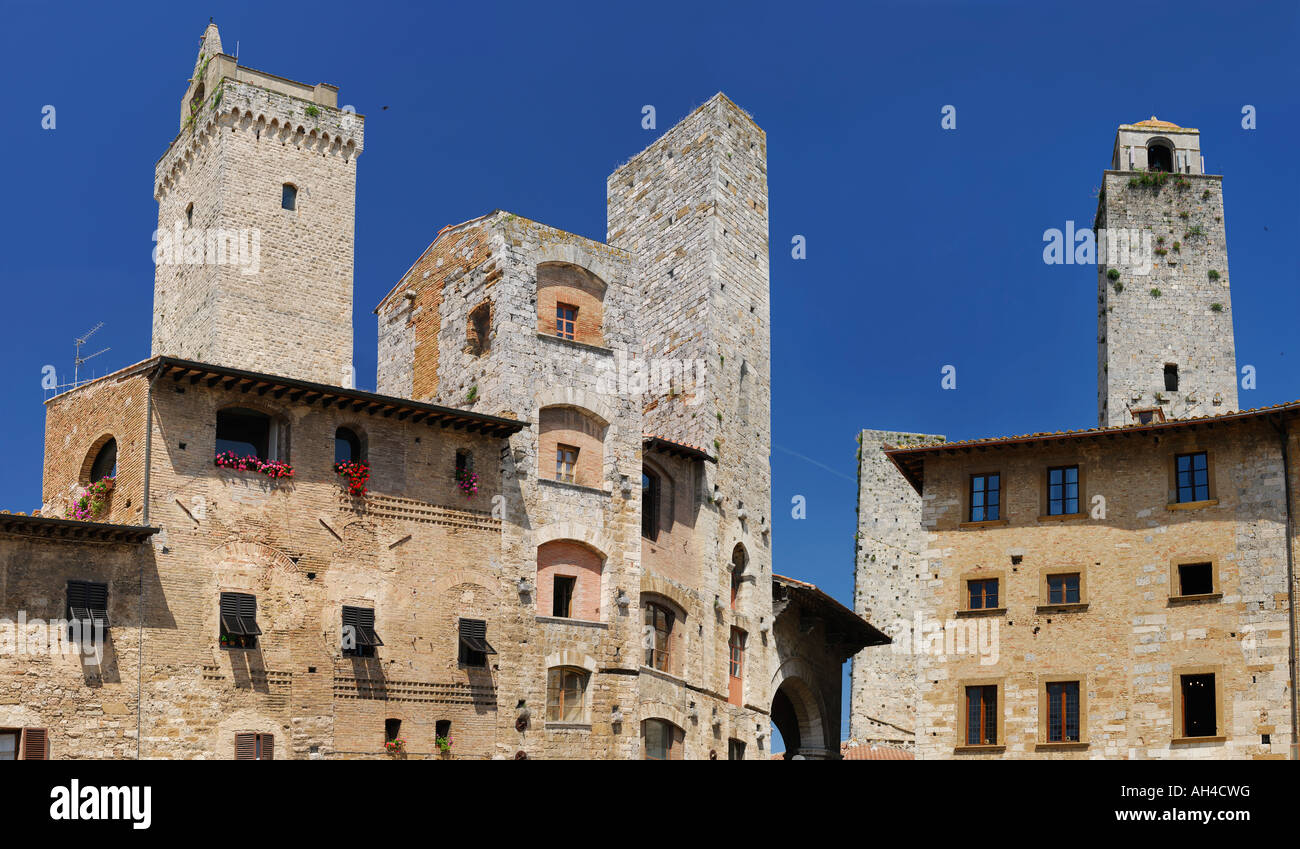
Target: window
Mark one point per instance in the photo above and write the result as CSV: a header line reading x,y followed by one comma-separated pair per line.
x,y
982,594
735,749
984,497
1199,705
189,214
1171,377
566,458
392,730
566,690
289,196
739,559
1193,477
442,729
1063,712
658,637
478,330
1063,491
359,637
347,446
1195,579
663,740
474,647
982,715
649,505
105,465
87,607
562,596
1063,589
239,621
566,319
24,744
254,747
245,432
464,465
736,667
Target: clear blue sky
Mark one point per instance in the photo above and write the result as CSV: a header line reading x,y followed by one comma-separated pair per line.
x,y
924,246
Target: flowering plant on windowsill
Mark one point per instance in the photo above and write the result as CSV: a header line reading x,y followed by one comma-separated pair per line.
x,y
270,468
467,481
354,475
396,746
443,744
93,499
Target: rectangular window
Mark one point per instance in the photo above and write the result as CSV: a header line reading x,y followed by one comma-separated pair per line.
x,y
254,747
983,595
1171,377
649,506
663,740
359,637
87,604
1193,477
735,750
1063,491
239,621
1063,712
474,647
982,715
736,667
288,196
1195,579
1199,705
9,744
566,458
659,634
985,497
562,596
1063,589
565,691
566,319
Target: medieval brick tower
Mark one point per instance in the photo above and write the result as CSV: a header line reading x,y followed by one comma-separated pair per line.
x,y
1164,323
256,204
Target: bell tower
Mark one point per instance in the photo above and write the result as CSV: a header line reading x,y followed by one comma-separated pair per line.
x,y
1164,324
256,209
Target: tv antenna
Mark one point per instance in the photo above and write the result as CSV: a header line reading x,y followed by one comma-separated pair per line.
x,y
78,360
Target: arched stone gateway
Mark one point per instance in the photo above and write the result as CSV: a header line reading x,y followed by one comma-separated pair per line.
x,y
797,714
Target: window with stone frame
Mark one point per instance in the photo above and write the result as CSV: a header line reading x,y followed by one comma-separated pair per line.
x,y
981,727
1063,588
659,622
566,694
985,497
982,594
478,330
1063,712
1192,473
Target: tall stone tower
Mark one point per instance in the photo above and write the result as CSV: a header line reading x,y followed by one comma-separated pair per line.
x,y
256,206
692,209
1164,325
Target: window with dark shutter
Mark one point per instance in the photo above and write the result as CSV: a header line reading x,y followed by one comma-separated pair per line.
x,y
364,639
36,744
87,605
254,747
474,647
239,621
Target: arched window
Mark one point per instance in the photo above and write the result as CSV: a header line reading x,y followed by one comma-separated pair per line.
x,y
347,446
189,214
739,560
663,740
571,446
566,694
569,580
570,303
289,196
659,622
105,465
478,330
1160,156
650,492
250,432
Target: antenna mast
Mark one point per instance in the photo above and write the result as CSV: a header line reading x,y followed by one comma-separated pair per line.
x,y
78,359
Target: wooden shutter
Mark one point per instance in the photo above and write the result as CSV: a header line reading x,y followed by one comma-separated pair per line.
x,y
36,744
245,747
268,746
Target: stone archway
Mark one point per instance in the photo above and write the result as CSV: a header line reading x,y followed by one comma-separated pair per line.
x,y
797,714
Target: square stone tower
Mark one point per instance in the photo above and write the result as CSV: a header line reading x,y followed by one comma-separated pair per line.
x,y
1164,324
692,210
256,207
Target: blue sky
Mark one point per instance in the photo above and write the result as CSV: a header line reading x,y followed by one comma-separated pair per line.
x,y
924,245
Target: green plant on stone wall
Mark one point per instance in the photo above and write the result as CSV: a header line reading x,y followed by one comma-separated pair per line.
x,y
312,110
1155,293
1118,286
1212,274
1216,307
1113,273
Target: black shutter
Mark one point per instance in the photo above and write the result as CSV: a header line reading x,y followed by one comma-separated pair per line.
x,y
248,614
97,601
239,614
473,633
362,620
78,601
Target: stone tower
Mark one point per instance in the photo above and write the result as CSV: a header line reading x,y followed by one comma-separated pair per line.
x,y
256,204
1165,345
890,557
692,209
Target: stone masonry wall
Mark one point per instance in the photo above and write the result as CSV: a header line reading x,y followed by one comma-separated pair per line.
x,y
890,565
